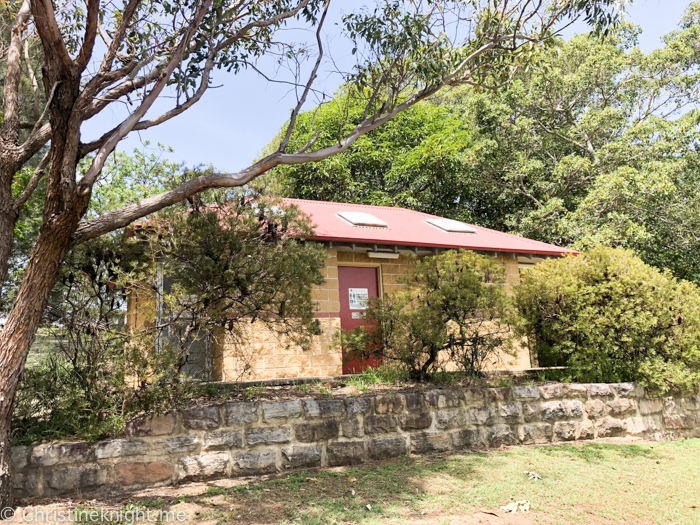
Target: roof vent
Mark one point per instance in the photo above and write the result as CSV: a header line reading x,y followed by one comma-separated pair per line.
x,y
451,226
358,218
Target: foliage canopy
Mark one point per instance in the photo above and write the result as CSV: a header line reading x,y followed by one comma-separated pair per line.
x,y
610,317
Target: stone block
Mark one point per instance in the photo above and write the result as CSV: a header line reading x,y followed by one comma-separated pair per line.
x,y
174,445
444,398
678,421
267,436
380,424
118,448
554,410
93,476
203,466
451,418
500,435
535,433
563,390
595,408
202,418
71,479
156,425
389,404
585,430
345,453
358,405
414,402
241,413
498,395
691,403
310,432
25,484
525,392
389,447
276,410
610,427
301,457
636,426
63,480
510,412
20,458
255,462
473,395
469,438
416,421
351,427
575,408
59,453
482,415
129,474
620,406
323,407
424,442
599,390
223,439
564,431
628,389
531,411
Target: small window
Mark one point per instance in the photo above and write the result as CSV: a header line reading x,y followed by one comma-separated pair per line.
x,y
451,226
358,218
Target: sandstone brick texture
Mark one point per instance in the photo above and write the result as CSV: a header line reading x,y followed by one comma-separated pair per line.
x,y
266,357
249,437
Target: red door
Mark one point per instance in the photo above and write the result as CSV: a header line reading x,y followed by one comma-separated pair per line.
x,y
357,286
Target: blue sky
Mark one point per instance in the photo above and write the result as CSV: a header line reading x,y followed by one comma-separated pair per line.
x,y
232,123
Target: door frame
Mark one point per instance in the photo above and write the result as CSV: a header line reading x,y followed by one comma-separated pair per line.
x,y
378,266
380,280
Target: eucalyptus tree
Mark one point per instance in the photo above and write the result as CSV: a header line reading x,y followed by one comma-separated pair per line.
x,y
97,54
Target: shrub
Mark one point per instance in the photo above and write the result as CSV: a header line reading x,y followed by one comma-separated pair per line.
x,y
449,312
230,263
610,317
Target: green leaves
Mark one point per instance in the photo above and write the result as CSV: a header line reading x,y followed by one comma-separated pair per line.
x,y
449,314
610,317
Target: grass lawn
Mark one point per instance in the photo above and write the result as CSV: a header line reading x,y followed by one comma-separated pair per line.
x,y
611,483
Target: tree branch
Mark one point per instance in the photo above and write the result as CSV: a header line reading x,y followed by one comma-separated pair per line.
x,y
34,81
93,10
50,33
13,75
33,183
312,77
127,125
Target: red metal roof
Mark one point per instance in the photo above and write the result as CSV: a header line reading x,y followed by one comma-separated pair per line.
x,y
409,228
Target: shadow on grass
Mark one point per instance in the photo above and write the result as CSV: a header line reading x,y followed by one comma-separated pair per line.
x,y
598,452
400,489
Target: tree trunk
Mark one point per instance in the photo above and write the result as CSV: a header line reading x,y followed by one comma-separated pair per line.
x,y
22,323
7,226
8,218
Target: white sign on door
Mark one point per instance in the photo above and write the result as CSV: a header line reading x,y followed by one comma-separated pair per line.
x,y
359,297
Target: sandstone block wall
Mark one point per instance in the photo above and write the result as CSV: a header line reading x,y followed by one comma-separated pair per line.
x,y
266,357
267,437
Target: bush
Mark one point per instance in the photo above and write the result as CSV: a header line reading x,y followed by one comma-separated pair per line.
x,y
448,315
209,269
610,317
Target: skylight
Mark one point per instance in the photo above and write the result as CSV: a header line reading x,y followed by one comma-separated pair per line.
x,y
358,218
451,226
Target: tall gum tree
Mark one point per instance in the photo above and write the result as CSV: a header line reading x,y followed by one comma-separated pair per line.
x,y
99,53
